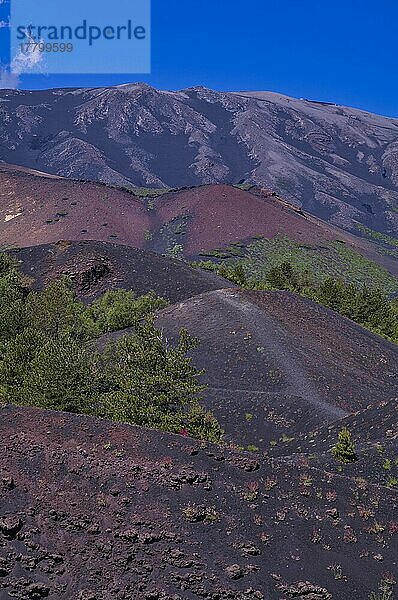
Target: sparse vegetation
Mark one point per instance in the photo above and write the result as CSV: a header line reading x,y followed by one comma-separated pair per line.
x,y
392,482
377,235
357,298
251,492
252,448
197,514
337,571
386,588
176,251
333,260
270,483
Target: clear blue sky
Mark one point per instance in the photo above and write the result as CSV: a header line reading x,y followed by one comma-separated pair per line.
x,y
343,51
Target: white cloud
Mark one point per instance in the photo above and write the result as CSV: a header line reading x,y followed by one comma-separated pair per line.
x,y
24,62
27,60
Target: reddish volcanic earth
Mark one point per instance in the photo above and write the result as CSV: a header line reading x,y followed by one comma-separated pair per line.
x,y
93,510
220,214
37,209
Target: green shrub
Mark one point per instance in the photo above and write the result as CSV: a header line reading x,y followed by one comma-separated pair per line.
x,y
151,383
56,311
386,588
62,376
203,425
120,309
368,306
344,450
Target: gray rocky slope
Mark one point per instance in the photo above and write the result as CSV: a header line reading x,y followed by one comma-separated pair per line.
x,y
339,163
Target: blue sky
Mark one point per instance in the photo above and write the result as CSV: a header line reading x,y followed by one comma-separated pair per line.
x,y
340,51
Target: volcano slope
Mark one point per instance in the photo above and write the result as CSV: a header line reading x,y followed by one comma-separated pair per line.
x,y
206,218
209,216
278,365
97,267
36,209
96,510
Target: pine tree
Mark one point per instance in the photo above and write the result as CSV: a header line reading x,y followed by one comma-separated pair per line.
x,y
151,383
330,293
282,277
56,311
119,309
344,450
62,376
15,364
12,317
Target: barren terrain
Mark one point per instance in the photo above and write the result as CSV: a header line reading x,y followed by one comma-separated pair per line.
x,y
95,510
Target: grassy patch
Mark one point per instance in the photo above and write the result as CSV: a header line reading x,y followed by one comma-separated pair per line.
x,y
334,259
382,238
143,192
333,275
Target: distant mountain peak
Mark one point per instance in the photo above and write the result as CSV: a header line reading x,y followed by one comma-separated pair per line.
x,y
339,163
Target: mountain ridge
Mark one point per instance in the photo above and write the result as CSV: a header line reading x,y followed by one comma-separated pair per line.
x,y
338,163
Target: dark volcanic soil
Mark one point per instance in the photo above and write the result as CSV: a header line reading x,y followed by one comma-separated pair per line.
x,y
277,365
280,365
96,267
100,511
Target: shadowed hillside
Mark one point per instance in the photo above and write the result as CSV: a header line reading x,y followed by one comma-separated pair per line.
x,y
96,267
278,365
